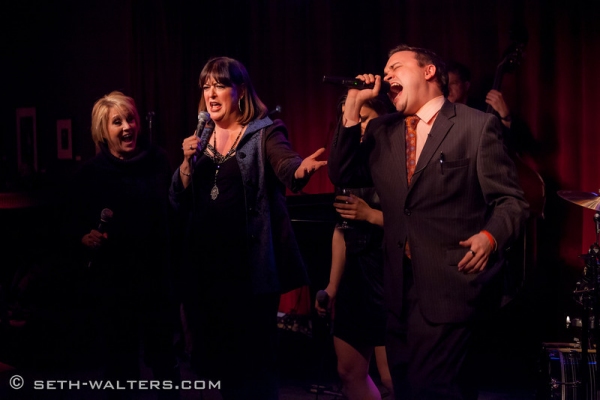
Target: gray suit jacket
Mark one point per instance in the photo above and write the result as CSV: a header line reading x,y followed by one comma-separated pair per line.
x,y
464,182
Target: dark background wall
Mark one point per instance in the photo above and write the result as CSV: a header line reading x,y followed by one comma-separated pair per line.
x,y
60,57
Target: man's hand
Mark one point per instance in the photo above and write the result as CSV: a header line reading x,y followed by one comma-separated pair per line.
x,y
356,98
478,254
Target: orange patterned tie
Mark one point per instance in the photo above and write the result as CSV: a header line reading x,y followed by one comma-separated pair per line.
x,y
411,156
411,145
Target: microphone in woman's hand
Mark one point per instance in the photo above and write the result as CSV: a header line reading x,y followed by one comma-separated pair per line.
x,y
105,217
322,298
205,128
203,117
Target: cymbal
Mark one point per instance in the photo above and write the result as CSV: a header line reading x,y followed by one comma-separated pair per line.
x,y
587,256
585,199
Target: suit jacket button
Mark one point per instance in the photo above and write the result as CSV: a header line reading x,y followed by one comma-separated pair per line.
x,y
400,244
406,211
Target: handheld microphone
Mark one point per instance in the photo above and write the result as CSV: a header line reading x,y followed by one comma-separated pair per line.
x,y
322,298
203,117
205,135
353,83
207,130
105,217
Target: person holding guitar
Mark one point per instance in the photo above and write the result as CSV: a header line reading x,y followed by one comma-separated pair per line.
x,y
459,83
516,132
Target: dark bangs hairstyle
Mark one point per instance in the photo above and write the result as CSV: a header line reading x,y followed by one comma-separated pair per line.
x,y
232,73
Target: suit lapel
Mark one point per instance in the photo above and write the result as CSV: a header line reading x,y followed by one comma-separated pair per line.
x,y
440,129
397,143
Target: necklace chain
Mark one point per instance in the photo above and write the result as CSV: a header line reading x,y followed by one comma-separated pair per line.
x,y
219,159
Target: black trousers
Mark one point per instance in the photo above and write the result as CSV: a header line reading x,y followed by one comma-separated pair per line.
x,y
428,361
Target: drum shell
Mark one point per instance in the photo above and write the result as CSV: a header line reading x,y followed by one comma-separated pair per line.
x,y
561,369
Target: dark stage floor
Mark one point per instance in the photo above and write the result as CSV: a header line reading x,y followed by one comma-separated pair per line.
x,y
306,366
510,356
294,386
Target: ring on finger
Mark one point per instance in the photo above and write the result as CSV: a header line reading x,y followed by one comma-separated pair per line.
x,y
472,252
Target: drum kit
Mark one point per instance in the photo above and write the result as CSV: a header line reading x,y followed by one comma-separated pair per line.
x,y
581,362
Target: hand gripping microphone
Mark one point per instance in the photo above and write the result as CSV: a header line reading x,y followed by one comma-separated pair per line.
x,y
353,83
209,127
322,298
205,135
203,131
105,217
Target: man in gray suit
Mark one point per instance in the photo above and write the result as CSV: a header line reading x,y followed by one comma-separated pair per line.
x,y
448,218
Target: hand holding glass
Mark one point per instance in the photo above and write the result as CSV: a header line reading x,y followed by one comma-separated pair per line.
x,y
343,192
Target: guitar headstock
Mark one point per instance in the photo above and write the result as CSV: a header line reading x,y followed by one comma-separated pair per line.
x,y
512,57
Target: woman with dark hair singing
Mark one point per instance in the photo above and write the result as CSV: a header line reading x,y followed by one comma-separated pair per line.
x,y
240,251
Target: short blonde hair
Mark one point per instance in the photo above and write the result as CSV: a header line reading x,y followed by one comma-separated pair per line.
x,y
100,114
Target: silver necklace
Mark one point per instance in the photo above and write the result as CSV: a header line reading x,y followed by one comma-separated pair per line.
x,y
219,159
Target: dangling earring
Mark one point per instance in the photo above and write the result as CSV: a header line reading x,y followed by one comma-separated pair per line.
x,y
240,104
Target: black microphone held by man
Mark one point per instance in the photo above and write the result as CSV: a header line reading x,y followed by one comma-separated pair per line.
x,y
353,83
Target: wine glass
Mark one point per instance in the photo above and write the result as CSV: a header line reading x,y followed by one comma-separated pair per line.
x,y
344,222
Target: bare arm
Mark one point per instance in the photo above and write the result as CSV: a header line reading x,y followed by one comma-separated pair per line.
x,y
189,148
338,262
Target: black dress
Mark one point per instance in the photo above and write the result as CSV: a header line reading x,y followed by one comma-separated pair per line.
x,y
239,256
125,285
360,314
233,330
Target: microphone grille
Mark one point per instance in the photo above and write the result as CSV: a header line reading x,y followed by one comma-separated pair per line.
x,y
203,116
106,215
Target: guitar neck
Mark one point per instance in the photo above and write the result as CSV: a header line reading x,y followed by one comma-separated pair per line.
x,y
497,84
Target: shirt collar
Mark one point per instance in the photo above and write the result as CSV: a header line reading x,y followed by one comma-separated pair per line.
x,y
430,109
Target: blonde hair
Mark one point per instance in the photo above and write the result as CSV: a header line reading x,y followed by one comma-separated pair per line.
x,y
100,114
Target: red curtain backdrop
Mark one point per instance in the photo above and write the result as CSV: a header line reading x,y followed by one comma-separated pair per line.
x,y
289,45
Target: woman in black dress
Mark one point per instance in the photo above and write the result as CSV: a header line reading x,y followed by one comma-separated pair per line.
x,y
123,261
355,286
